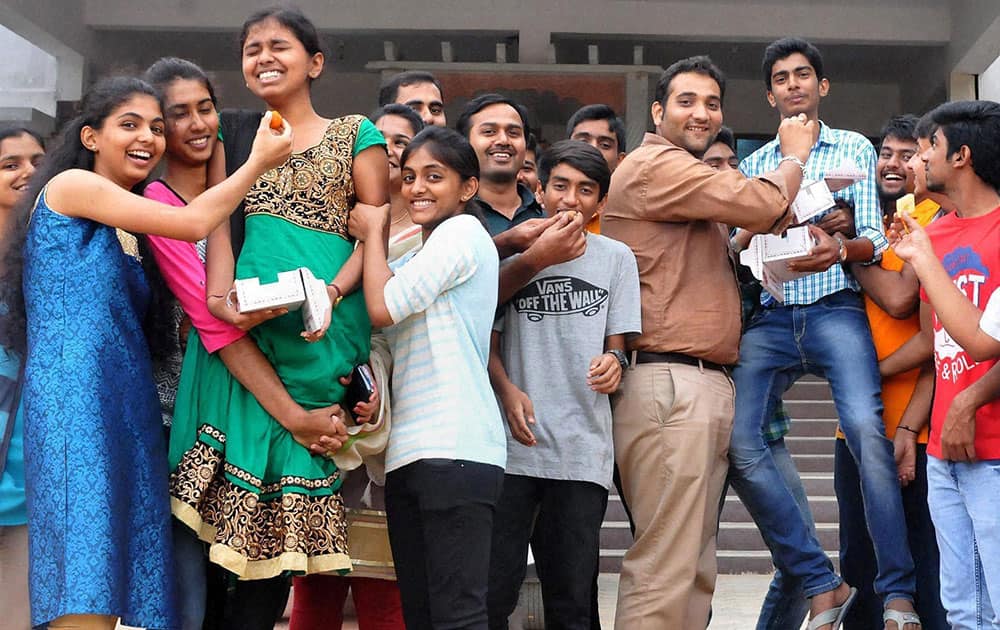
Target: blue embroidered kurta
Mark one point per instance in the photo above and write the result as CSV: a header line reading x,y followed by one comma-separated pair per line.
x,y
98,509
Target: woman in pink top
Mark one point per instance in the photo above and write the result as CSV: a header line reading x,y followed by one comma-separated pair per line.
x,y
192,128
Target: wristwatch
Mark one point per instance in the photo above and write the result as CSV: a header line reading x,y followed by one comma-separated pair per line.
x,y
842,255
621,356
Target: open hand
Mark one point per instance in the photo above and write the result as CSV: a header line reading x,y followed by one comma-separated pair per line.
x,y
227,308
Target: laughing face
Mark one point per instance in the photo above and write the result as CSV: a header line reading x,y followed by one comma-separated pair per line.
x,y
275,63
19,157
894,178
192,122
496,132
692,115
129,142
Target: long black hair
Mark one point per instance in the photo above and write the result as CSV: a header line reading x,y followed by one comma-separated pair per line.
x,y
451,149
98,103
160,323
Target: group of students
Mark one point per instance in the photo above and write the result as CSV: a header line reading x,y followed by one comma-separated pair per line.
x,y
171,462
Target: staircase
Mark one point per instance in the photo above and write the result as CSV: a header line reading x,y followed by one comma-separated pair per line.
x,y
740,547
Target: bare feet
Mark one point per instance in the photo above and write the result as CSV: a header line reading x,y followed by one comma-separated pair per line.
x,y
902,605
826,601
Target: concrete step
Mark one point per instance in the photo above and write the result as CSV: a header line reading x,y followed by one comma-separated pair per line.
x,y
818,484
746,537
810,445
808,388
811,408
814,463
824,509
735,562
814,427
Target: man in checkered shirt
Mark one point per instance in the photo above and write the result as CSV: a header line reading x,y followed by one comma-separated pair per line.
x,y
821,329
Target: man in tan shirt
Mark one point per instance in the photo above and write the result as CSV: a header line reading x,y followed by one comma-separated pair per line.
x,y
674,414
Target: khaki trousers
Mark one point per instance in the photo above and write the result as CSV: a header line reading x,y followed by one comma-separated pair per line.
x,y
671,431
14,605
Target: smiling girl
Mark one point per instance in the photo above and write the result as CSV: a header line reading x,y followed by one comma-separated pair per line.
x,y
447,448
98,518
21,152
192,126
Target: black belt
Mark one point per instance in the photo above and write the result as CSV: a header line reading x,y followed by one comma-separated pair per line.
x,y
678,357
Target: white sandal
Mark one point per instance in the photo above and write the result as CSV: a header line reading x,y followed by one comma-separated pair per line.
x,y
834,615
900,617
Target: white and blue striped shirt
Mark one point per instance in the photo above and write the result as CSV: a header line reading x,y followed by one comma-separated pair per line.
x,y
443,298
834,148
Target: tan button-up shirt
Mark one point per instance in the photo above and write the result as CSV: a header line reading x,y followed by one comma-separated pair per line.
x,y
671,209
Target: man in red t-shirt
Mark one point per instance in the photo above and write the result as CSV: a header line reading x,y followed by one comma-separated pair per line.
x,y
963,467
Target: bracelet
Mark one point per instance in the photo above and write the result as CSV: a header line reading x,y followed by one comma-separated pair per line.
x,y
794,160
340,294
906,428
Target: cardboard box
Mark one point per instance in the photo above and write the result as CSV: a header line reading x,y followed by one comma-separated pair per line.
x,y
294,290
768,255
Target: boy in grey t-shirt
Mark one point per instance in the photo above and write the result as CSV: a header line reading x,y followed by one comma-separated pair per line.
x,y
557,352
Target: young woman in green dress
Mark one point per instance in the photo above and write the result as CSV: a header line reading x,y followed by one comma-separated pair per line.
x,y
267,505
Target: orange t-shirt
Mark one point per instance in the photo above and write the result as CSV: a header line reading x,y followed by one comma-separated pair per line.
x,y
890,333
594,227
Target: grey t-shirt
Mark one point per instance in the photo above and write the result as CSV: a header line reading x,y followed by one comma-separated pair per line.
x,y
551,329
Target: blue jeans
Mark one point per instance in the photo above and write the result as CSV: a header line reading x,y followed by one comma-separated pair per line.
x,y
829,338
785,605
963,502
857,557
190,560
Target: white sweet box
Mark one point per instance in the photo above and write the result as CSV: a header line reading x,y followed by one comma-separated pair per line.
x,y
294,290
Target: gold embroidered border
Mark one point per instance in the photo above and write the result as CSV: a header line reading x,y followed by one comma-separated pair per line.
x,y
254,538
313,189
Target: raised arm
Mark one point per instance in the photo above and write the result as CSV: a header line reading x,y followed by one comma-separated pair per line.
x,y
81,193
562,239
957,314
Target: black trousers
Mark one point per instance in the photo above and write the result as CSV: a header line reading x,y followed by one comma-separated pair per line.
x,y
440,516
243,604
562,520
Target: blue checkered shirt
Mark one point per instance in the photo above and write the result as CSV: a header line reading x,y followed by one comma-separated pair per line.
x,y
834,147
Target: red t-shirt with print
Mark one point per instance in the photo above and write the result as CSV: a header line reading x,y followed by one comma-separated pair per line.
x,y
969,249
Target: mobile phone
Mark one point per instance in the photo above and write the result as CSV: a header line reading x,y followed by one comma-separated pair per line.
x,y
361,387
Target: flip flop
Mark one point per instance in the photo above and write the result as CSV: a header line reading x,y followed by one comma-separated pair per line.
x,y
900,617
834,615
